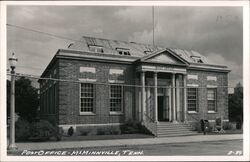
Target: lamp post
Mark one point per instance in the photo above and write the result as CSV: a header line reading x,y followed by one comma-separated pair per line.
x,y
13,62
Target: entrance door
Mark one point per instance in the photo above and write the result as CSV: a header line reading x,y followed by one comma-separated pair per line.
x,y
163,108
160,108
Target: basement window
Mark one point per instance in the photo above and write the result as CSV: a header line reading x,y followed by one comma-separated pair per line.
x,y
123,51
98,49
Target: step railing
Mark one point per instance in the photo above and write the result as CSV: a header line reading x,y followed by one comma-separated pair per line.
x,y
150,124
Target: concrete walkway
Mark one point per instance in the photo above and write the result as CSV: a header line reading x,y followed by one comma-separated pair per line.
x,y
124,142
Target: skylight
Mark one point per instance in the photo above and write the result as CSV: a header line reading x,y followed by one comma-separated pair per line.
x,y
123,51
197,59
95,48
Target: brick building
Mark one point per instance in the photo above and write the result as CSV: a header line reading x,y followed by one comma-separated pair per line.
x,y
112,82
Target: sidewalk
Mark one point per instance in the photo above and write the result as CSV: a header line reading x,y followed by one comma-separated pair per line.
x,y
124,142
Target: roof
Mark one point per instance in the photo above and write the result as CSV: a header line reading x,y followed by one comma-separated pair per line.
x,y
108,51
135,49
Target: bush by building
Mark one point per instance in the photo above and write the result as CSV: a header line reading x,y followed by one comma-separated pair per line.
x,y
22,130
43,130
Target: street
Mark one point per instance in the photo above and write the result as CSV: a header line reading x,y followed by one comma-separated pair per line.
x,y
233,147
187,149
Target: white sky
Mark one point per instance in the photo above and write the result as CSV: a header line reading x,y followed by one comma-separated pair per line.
x,y
215,32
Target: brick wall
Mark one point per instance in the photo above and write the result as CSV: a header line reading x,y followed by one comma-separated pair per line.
x,y
69,93
222,94
49,104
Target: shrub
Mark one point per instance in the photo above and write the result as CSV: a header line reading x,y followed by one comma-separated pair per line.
x,y
125,129
101,131
227,126
144,130
130,127
115,130
70,131
22,130
83,131
42,131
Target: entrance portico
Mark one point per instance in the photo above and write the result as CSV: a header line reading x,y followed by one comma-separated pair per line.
x,y
161,93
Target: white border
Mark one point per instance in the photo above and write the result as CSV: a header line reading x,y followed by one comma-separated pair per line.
x,y
244,4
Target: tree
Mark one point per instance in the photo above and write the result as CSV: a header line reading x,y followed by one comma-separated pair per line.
x,y
26,99
236,104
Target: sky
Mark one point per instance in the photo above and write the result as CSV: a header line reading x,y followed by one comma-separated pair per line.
x,y
215,32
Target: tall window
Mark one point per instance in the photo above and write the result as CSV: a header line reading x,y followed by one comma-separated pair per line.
x,y
115,98
192,99
87,97
211,99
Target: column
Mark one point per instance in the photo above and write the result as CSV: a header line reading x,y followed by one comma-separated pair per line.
x,y
148,100
170,103
173,99
178,97
142,96
185,96
155,97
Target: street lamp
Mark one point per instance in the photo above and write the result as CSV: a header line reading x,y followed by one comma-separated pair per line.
x,y
13,62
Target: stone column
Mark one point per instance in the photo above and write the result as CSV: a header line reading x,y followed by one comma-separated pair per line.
x,y
185,96
170,103
178,97
155,97
142,96
173,99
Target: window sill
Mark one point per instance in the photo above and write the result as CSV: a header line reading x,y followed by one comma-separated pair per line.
x,y
115,113
192,112
211,112
87,113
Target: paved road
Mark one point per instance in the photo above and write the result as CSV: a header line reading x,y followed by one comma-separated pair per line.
x,y
187,149
197,148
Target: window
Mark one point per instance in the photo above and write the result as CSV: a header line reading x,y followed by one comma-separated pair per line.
x,y
197,59
192,99
98,49
211,99
147,52
115,98
87,97
123,51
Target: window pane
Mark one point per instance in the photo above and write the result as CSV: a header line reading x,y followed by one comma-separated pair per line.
x,y
211,99
115,98
87,97
192,99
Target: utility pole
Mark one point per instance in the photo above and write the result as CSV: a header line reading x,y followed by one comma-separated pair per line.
x,y
153,18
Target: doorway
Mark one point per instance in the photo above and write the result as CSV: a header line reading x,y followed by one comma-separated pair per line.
x,y
163,108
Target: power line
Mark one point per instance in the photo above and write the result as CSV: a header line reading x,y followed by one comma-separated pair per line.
x,y
100,83
52,35
41,32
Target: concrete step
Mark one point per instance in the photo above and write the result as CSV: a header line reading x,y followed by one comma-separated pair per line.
x,y
167,129
173,131
174,127
170,129
175,135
